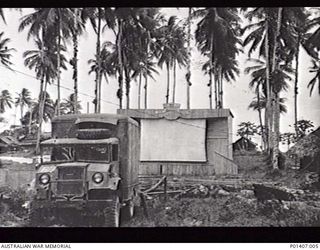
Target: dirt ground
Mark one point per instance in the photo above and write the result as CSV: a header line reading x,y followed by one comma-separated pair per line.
x,y
207,205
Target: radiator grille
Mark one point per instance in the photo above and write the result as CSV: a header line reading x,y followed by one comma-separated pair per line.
x,y
70,181
71,173
70,188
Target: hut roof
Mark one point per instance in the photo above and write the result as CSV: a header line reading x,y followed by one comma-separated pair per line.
x,y
8,140
316,132
244,143
306,146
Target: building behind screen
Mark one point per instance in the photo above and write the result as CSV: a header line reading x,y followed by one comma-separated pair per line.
x,y
174,141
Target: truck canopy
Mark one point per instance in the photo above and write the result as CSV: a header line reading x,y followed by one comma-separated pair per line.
x,y
103,118
75,141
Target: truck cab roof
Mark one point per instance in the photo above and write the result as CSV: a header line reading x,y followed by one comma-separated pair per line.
x,y
75,141
103,118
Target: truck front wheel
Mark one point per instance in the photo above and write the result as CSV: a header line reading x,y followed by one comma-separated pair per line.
x,y
127,211
112,213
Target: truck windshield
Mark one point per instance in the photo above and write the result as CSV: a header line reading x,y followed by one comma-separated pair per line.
x,y
94,153
57,154
98,153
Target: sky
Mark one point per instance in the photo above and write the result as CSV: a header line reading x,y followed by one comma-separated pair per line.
x,y
237,95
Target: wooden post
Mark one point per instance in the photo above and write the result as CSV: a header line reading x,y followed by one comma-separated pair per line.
x,y
144,205
165,189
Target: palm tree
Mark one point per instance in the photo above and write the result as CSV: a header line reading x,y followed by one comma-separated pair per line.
x,y
64,23
171,50
262,103
68,107
275,66
48,109
93,14
128,24
32,115
258,73
106,67
77,29
147,48
29,124
146,69
217,37
2,15
130,51
299,26
5,100
108,61
5,52
44,62
316,79
180,57
60,23
23,99
272,36
188,75
260,38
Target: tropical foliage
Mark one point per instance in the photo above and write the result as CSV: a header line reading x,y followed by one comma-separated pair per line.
x,y
68,105
5,100
23,99
247,129
145,41
5,52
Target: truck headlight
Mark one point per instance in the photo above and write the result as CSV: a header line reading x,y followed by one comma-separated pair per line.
x,y
97,177
44,179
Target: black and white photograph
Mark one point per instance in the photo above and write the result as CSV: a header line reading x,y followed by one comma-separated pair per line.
x,y
155,117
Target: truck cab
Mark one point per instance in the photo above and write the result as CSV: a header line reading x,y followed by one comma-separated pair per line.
x,y
90,170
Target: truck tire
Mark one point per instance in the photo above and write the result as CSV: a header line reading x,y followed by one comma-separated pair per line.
x,y
127,212
34,217
93,133
112,213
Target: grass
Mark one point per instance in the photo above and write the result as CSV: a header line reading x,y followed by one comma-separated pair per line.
x,y
230,211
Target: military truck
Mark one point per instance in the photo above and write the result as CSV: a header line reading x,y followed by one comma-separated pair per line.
x,y
88,170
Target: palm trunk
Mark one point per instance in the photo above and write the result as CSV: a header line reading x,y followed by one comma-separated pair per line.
x,y
120,79
221,88
21,111
275,158
146,71
145,91
210,71
210,89
296,87
168,83
41,100
41,109
128,80
174,81
216,76
75,61
58,62
139,91
268,96
188,75
98,71
30,120
260,120
216,87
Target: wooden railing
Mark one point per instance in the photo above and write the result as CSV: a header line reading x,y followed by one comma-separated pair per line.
x,y
151,191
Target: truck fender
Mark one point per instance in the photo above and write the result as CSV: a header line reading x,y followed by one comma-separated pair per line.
x,y
113,183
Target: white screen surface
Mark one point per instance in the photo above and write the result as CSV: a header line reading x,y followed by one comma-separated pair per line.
x,y
175,140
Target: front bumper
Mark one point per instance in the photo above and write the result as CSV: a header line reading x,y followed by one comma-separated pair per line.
x,y
82,206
